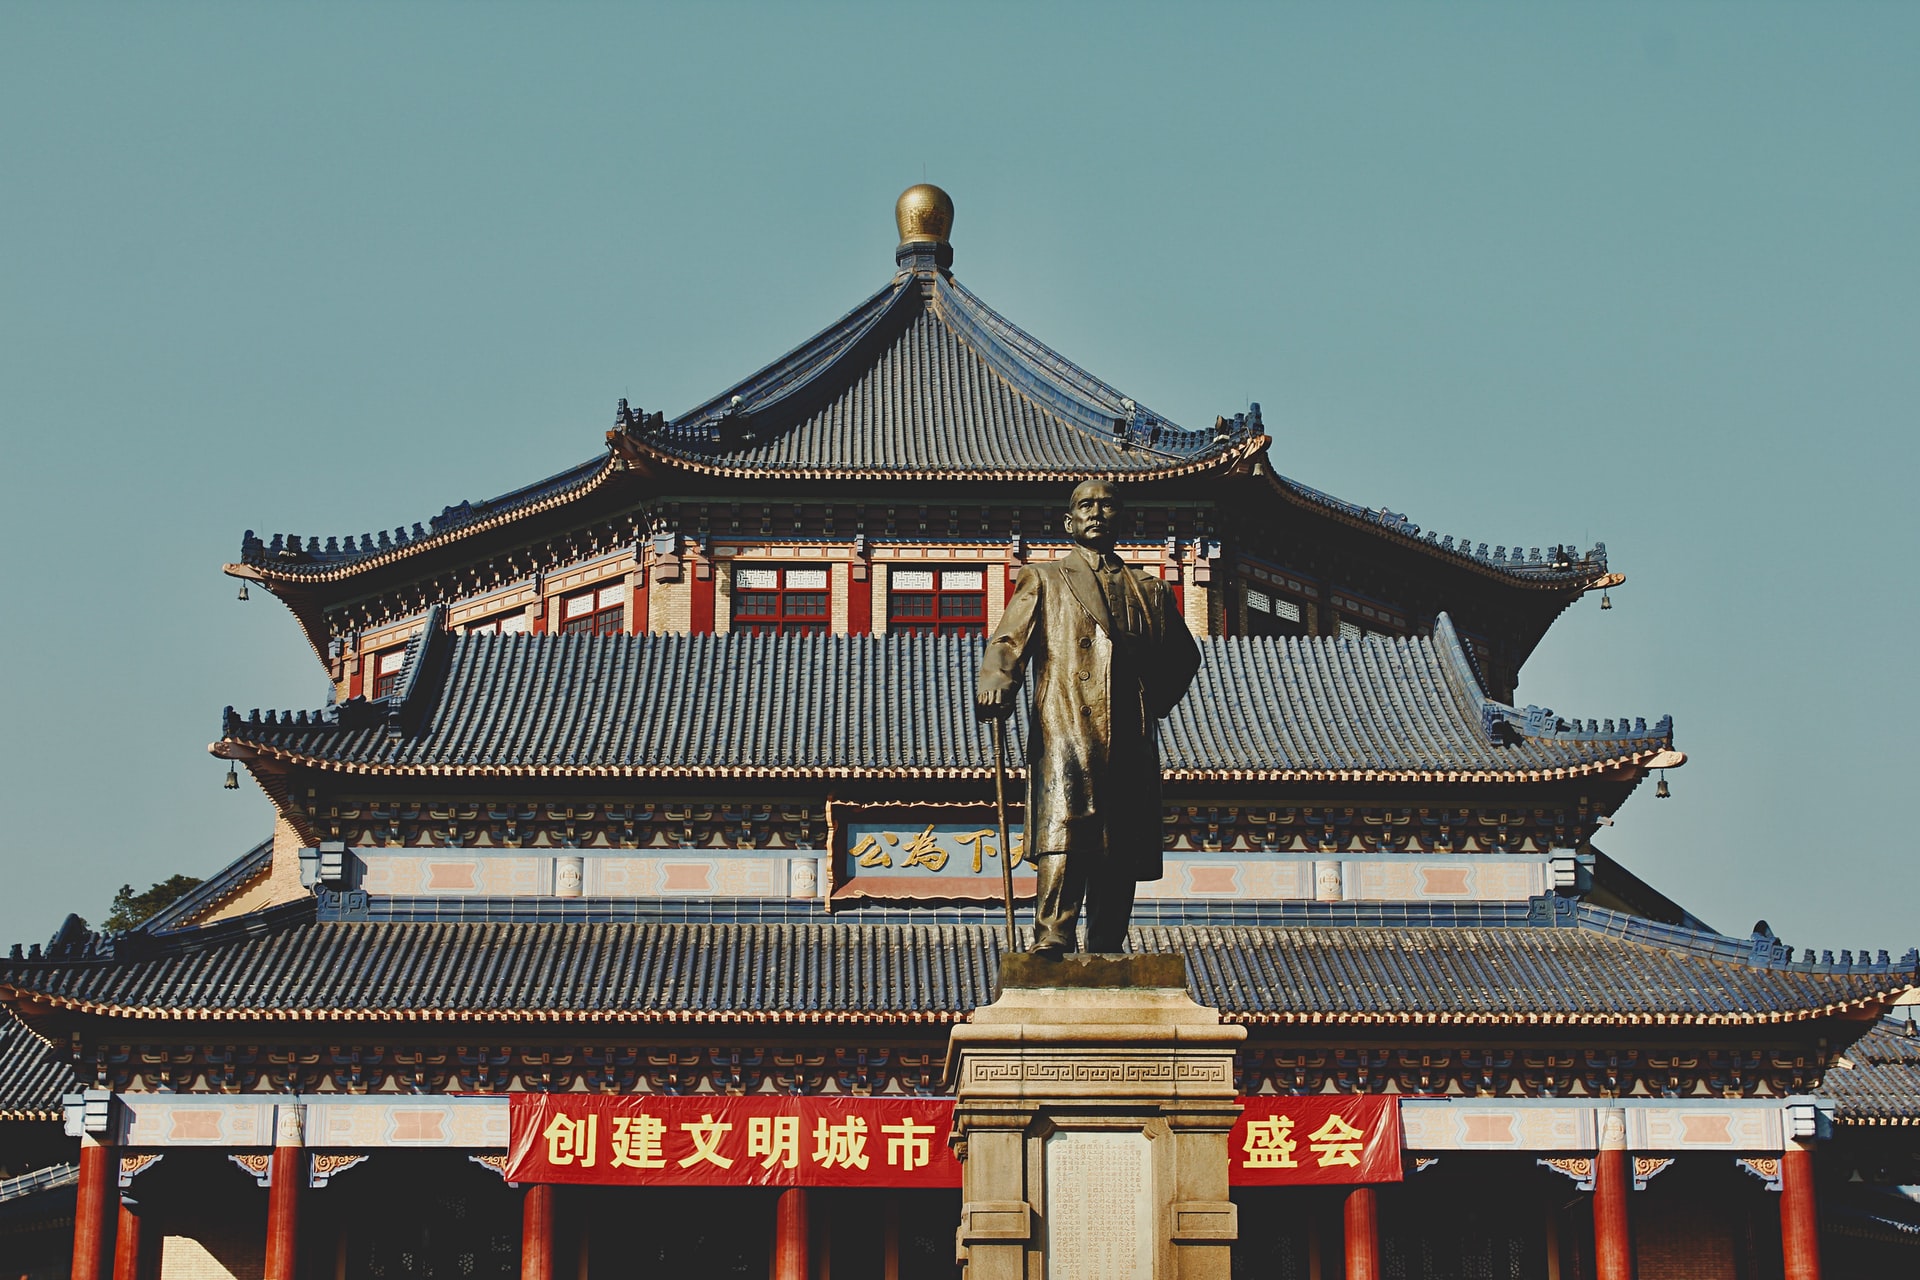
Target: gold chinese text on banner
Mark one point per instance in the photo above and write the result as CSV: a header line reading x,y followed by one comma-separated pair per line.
x,y
718,1141
1322,1139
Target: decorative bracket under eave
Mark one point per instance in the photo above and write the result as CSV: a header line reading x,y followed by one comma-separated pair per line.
x,y
326,1165
1579,1168
132,1166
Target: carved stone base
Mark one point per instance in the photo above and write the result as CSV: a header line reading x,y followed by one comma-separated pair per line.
x,y
1095,1099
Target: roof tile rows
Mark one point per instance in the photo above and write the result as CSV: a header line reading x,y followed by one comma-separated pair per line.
x,y
32,1080
854,971
922,380
1261,708
1879,1082
927,386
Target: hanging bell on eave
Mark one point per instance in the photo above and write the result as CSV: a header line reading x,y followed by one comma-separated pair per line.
x,y
1660,789
1606,601
232,781
243,593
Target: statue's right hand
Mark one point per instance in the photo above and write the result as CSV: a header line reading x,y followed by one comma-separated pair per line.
x,y
992,704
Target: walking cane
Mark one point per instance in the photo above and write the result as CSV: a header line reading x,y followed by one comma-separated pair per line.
x,y
1006,846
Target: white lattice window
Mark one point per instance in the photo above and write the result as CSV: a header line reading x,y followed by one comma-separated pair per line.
x,y
942,602
781,601
596,611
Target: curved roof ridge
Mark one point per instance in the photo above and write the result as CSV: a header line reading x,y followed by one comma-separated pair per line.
x,y
1558,565
290,555
809,358
1758,950
212,891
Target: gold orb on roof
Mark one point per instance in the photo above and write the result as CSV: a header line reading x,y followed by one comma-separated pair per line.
x,y
924,214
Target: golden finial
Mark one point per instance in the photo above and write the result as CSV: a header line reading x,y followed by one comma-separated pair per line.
x,y
924,214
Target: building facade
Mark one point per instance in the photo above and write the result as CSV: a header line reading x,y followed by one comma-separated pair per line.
x,y
658,780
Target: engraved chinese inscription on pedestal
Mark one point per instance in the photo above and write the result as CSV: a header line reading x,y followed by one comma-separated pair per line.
x,y
1099,1207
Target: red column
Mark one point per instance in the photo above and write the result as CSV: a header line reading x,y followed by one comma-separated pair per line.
x,y
1363,1234
790,1235
286,1179
283,1211
126,1245
536,1233
1612,1237
700,595
860,599
99,1170
1799,1219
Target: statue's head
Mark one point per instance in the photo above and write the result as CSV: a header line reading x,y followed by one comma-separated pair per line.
x,y
1093,515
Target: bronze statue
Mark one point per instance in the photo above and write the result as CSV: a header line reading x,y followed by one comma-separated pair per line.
x,y
1111,655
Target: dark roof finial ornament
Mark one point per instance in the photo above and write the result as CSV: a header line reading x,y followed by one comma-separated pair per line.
x,y
924,216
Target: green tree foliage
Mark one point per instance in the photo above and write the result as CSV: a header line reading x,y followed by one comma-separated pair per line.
x,y
130,908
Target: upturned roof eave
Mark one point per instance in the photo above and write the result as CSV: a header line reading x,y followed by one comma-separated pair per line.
x,y
294,574
1626,767
1226,459
16,994
1570,585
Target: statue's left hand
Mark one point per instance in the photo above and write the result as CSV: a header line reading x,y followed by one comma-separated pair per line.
x,y
993,704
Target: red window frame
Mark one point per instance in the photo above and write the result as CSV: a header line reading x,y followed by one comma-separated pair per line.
x,y
782,608
602,611
937,608
386,678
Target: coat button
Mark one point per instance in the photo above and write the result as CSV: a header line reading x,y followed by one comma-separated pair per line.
x,y
1086,711
1086,642
1086,675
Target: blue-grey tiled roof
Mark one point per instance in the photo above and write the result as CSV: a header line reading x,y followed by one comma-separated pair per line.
x,y
32,1078
845,969
838,706
923,381
1879,1081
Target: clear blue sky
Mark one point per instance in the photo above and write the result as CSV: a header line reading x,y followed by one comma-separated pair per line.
x,y
1530,273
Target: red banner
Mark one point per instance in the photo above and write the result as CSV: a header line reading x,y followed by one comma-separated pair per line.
x,y
1318,1139
769,1140
763,1140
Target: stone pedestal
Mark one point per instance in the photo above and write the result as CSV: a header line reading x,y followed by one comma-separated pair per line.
x,y
1095,1100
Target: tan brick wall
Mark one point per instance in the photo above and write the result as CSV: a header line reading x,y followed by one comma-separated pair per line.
x,y
670,605
214,1252
998,589
1197,609
838,578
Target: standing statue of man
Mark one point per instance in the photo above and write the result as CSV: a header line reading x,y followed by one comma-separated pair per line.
x,y
1111,655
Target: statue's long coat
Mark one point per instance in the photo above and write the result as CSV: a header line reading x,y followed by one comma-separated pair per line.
x,y
1080,797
